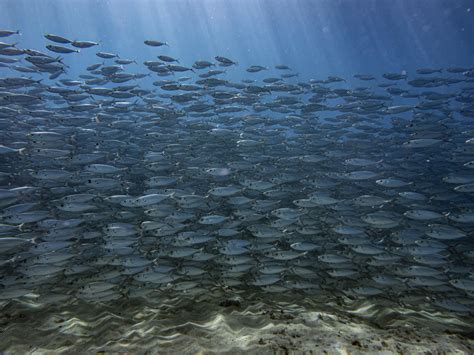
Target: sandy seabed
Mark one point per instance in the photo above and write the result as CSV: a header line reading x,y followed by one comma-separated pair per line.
x,y
228,323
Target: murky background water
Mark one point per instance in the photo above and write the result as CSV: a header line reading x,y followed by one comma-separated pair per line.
x,y
220,176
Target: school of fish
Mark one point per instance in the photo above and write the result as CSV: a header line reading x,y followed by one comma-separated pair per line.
x,y
114,189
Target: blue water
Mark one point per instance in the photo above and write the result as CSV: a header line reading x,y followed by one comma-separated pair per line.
x,y
315,37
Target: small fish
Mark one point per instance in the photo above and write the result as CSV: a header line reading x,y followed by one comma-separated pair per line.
x,y
57,39
60,49
154,43
84,44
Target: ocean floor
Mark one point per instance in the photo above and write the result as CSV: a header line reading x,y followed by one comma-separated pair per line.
x,y
229,324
